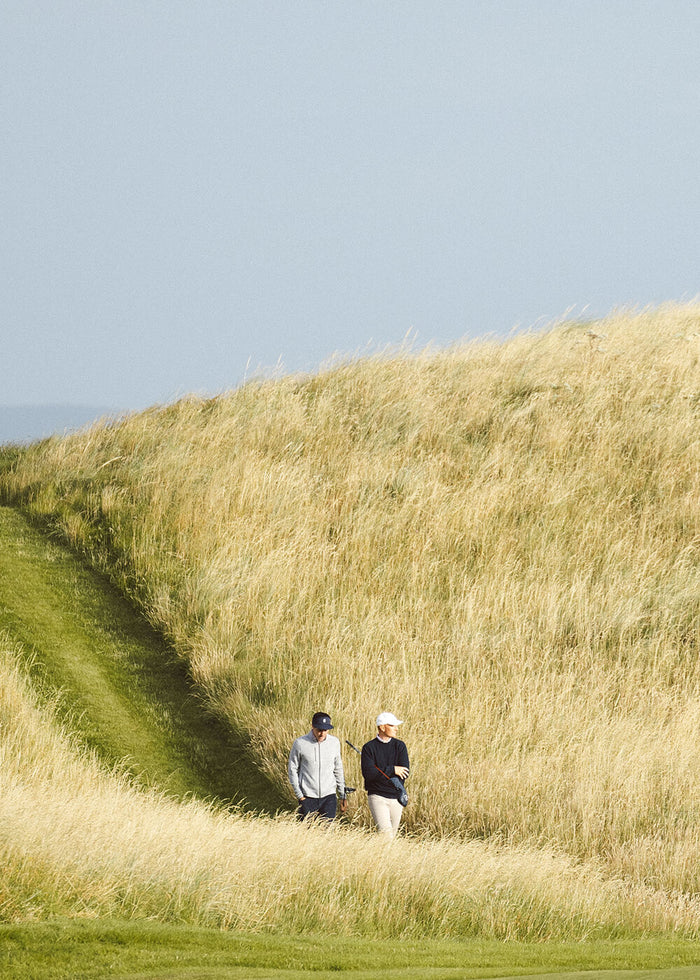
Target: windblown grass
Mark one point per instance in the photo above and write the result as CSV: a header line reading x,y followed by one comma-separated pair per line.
x,y
499,542
77,841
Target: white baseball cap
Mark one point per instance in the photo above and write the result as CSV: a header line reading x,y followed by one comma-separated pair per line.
x,y
386,718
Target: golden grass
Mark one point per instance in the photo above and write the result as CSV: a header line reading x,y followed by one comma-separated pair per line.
x,y
77,841
499,542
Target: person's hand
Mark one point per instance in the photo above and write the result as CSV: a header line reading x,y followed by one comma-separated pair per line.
x,y
343,806
401,771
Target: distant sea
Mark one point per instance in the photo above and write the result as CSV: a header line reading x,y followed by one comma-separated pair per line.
x,y
27,423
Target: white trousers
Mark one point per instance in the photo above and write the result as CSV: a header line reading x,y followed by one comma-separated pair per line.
x,y
386,814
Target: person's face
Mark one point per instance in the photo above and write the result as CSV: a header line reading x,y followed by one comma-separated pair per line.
x,y
319,734
388,731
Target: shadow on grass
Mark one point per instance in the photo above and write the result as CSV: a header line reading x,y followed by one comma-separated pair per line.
x,y
122,690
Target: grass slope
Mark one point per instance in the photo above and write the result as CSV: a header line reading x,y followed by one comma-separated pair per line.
x,y
501,541
75,840
125,693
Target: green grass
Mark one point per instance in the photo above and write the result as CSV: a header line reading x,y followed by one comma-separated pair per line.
x,y
122,690
68,950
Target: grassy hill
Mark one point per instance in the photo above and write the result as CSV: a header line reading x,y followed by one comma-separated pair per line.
x,y
80,841
499,542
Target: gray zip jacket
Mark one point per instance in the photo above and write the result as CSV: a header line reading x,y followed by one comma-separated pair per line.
x,y
315,769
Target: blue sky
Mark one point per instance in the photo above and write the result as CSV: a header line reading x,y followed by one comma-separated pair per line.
x,y
195,191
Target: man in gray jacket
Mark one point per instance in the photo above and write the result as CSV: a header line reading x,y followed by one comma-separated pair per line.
x,y
315,770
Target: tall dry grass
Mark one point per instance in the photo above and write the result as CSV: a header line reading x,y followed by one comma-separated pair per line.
x,y
77,841
499,542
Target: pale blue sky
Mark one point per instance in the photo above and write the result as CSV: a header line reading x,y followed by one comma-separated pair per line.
x,y
194,190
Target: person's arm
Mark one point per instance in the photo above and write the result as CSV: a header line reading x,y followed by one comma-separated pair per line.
x,y
340,780
374,781
367,763
293,766
402,767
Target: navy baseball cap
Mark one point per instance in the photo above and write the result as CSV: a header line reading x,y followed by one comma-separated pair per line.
x,y
321,721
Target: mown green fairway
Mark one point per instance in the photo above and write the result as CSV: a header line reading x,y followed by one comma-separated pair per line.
x,y
123,691
91,950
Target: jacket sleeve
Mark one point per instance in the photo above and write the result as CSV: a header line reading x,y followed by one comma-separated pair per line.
x,y
293,770
366,763
402,755
339,774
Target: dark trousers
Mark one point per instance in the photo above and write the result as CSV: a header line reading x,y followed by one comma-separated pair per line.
x,y
324,806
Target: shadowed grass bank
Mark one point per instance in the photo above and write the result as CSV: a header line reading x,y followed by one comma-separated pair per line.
x,y
122,690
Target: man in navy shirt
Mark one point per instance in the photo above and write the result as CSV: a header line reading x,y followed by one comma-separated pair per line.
x,y
384,757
